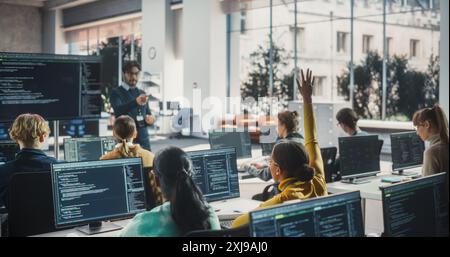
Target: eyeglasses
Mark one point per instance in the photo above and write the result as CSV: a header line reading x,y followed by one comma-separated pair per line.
x,y
133,73
416,127
271,161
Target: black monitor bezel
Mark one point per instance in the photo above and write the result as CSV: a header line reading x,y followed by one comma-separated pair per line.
x,y
114,217
387,231
93,59
234,131
65,140
10,142
399,168
220,149
358,175
299,202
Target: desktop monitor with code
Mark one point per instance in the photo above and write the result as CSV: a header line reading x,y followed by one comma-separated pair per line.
x,y
58,87
215,173
407,151
87,149
417,208
240,140
337,215
8,151
359,157
95,191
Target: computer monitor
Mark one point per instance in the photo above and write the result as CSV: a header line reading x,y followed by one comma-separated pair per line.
x,y
8,151
267,148
406,150
268,134
87,149
417,208
359,157
337,215
173,106
58,87
215,173
95,191
240,140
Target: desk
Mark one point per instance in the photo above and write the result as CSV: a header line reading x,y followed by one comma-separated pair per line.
x,y
248,188
371,196
75,233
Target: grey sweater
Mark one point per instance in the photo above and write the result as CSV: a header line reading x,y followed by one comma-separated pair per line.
x,y
435,159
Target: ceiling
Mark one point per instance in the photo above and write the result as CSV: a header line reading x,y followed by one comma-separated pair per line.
x,y
36,3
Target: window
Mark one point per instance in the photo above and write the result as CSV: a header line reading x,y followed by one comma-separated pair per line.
x,y
300,38
243,22
389,46
367,44
319,86
342,42
414,48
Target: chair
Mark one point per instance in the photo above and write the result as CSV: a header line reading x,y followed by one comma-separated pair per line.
x,y
242,231
30,208
329,162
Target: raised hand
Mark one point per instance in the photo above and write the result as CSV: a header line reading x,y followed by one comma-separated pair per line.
x,y
306,86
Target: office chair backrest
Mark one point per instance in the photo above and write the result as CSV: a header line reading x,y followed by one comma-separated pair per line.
x,y
30,209
329,162
242,231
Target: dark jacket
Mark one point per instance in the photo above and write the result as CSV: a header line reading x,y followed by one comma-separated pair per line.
x,y
124,103
27,160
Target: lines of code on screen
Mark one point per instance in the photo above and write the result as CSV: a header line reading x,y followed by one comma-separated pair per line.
x,y
54,86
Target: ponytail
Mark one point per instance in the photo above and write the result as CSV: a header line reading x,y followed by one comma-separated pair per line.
x,y
126,151
442,123
437,119
292,159
189,210
188,207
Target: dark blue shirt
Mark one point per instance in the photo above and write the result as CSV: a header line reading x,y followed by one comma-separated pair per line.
x,y
27,160
124,103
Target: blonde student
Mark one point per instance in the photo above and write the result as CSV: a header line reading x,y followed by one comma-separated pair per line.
x,y
30,131
125,132
298,167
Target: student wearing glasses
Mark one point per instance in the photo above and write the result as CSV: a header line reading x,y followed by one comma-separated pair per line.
x,y
298,167
348,122
431,125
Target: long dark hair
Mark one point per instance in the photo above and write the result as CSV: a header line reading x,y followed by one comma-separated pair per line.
x,y
292,159
173,168
436,117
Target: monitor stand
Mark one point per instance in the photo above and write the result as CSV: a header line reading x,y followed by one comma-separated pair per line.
x,y
406,173
356,181
98,227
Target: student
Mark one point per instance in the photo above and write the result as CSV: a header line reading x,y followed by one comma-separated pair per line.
x,y
348,120
298,168
124,130
431,125
186,209
30,131
287,129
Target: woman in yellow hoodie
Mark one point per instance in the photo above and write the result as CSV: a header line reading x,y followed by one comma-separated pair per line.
x,y
298,168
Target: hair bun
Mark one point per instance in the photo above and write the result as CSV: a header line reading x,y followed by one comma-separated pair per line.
x,y
307,173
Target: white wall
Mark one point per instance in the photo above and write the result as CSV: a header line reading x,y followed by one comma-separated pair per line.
x,y
204,53
444,83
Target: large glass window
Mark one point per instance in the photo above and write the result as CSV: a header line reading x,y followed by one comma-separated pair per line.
x,y
115,42
395,51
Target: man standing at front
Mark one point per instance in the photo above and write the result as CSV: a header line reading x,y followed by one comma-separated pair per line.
x,y
127,99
